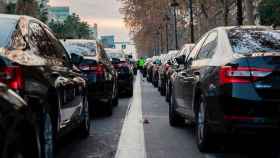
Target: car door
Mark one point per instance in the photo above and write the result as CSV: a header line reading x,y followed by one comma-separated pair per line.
x,y
108,76
71,90
197,64
178,89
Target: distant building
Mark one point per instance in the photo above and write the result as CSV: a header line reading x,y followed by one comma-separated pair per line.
x,y
108,41
94,32
59,13
2,6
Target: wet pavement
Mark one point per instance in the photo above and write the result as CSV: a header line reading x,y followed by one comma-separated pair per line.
x,y
146,133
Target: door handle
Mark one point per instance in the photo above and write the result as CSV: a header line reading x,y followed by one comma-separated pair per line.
x,y
189,79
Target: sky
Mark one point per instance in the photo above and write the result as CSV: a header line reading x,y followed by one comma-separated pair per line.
x,y
103,12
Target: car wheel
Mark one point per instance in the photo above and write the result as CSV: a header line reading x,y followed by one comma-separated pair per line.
x,y
130,92
116,100
21,145
46,135
203,133
109,108
167,91
174,118
85,124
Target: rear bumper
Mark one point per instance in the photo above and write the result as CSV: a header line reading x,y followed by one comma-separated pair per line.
x,y
100,91
231,115
125,84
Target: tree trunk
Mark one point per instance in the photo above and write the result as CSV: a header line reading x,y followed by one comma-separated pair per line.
x,y
250,19
226,11
239,12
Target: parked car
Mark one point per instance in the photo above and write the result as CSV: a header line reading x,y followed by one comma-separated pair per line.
x,y
230,84
148,66
124,69
34,64
90,57
176,64
18,129
166,63
155,68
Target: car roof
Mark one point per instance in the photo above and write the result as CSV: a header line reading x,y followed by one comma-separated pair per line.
x,y
8,16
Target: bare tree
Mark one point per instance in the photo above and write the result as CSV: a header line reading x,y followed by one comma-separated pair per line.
x,y
27,7
250,18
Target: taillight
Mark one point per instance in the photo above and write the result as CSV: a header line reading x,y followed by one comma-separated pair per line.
x,y
12,76
230,74
100,70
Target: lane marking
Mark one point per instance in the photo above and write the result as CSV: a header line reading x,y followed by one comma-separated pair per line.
x,y
132,142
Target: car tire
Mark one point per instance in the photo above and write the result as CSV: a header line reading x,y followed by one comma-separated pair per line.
x,y
116,100
109,108
203,133
167,93
22,144
130,93
47,138
85,123
175,119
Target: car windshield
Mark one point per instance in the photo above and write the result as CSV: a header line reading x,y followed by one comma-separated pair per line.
x,y
74,49
115,54
246,41
7,26
86,48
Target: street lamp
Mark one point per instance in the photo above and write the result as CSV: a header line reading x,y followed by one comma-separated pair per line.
x,y
174,5
166,19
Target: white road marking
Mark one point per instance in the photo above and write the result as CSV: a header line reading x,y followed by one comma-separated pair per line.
x,y
132,142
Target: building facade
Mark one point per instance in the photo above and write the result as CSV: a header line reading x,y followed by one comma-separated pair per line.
x,y
59,13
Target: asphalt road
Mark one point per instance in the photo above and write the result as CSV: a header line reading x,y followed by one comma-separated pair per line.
x,y
139,128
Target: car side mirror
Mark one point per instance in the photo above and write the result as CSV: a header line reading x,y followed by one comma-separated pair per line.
x,y
188,63
180,60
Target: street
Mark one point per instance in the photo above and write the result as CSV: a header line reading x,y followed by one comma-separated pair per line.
x,y
109,139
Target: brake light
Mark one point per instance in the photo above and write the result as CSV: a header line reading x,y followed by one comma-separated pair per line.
x,y
230,74
12,76
100,70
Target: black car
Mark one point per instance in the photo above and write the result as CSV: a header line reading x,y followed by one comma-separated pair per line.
x,y
34,64
90,57
230,84
124,69
18,129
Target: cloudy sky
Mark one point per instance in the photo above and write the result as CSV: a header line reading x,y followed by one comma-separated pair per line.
x,y
103,12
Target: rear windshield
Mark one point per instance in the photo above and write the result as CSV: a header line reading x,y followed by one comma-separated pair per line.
x,y
7,26
90,46
115,55
248,41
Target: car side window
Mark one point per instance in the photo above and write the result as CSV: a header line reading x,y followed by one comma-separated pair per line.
x,y
59,50
209,46
39,41
196,49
